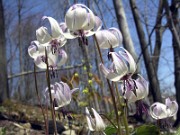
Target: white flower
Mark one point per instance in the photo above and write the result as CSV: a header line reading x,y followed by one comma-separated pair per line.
x,y
135,89
96,123
162,111
55,39
110,38
37,52
61,93
80,22
122,67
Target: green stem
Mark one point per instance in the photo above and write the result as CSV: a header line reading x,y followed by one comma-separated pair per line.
x,y
111,90
50,95
125,119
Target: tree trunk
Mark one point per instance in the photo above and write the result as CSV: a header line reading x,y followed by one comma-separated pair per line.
x,y
153,79
123,26
159,32
176,58
171,23
3,63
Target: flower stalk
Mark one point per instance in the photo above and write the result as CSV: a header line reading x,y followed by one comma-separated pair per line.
x,y
39,100
111,91
50,95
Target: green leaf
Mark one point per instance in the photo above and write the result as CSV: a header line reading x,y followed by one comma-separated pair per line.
x,y
110,130
147,130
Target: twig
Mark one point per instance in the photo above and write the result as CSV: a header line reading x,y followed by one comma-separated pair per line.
x,y
42,71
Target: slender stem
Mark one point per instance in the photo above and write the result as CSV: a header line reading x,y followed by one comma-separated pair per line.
x,y
126,124
111,90
119,100
108,120
49,89
39,100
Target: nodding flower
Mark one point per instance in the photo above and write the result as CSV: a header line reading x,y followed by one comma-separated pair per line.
x,y
37,52
61,94
96,123
161,111
55,39
80,22
110,38
121,69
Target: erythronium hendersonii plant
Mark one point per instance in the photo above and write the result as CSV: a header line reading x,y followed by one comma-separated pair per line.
x,y
61,93
37,52
95,124
110,38
55,39
80,22
162,111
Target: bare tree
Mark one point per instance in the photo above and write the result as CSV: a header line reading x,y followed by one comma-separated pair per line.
x,y
3,63
152,75
123,25
174,12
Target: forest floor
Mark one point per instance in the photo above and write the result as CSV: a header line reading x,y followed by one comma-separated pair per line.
x,y
20,119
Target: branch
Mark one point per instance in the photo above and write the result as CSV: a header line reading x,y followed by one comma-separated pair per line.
x,y
171,24
42,71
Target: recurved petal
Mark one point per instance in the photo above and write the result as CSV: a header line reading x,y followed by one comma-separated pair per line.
x,y
90,122
64,57
32,51
128,57
144,83
109,74
119,65
98,24
130,96
117,33
172,105
42,35
106,39
39,63
69,35
55,28
99,123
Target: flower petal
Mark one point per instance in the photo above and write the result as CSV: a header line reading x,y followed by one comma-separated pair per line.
x,y
172,105
55,28
42,35
99,123
117,33
33,51
128,57
106,39
39,63
90,121
64,57
75,18
109,75
98,24
119,64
